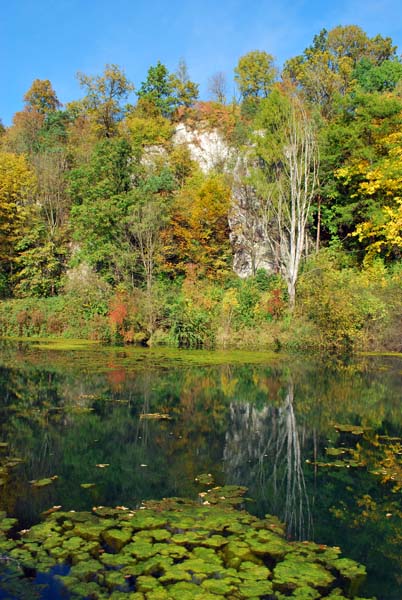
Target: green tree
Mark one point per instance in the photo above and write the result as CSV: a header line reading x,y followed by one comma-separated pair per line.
x,y
378,78
118,213
157,90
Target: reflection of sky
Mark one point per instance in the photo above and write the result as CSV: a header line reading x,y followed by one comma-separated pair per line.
x,y
54,40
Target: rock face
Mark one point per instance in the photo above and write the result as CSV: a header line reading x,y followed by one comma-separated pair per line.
x,y
211,151
207,147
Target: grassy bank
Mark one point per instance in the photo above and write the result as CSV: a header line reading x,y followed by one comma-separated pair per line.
x,y
339,310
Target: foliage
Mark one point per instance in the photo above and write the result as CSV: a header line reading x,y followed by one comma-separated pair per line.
x,y
17,188
103,194
157,90
104,94
286,180
199,227
42,97
255,74
325,70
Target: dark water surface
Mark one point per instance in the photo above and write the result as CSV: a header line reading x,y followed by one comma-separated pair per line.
x,y
274,425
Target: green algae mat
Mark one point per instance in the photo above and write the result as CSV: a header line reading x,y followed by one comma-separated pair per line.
x,y
173,549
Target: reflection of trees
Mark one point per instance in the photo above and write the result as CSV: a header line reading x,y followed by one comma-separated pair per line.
x,y
263,449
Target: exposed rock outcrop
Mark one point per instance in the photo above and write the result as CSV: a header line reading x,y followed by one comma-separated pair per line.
x,y
247,235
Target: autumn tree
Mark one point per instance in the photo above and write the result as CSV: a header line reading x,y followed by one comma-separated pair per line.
x,y
354,140
41,97
326,68
198,233
184,90
104,96
17,187
255,73
379,186
34,123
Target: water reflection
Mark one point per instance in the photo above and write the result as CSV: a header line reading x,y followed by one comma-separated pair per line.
x,y
254,425
267,441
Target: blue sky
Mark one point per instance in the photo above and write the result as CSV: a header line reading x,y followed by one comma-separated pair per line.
x,y
53,39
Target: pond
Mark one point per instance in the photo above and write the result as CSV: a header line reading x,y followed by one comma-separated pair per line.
x,y
316,445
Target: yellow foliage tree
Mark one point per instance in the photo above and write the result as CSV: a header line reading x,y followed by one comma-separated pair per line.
x,y
199,231
382,233
17,186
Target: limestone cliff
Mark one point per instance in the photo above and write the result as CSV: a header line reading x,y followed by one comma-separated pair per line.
x,y
211,151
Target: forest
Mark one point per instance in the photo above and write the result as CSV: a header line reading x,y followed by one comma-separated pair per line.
x,y
268,220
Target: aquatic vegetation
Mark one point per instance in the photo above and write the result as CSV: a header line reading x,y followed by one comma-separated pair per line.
x,y
175,549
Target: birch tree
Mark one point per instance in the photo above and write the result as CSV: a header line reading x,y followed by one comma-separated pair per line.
x,y
286,179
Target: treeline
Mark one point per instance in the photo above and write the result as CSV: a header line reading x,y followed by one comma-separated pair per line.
x,y
111,229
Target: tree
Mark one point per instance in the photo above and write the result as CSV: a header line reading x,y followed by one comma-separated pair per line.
x,y
255,74
199,231
119,210
383,235
356,141
17,187
217,87
184,90
379,186
157,91
99,194
104,95
24,134
147,217
40,123
326,68
287,179
42,97
378,78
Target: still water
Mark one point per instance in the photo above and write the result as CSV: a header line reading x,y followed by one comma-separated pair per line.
x,y
278,426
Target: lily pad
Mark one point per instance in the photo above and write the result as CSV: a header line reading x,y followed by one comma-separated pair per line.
x,y
40,483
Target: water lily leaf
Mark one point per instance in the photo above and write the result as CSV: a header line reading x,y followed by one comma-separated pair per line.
x,y
205,479
40,483
87,486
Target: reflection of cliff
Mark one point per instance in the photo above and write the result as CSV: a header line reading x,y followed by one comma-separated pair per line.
x,y
263,449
